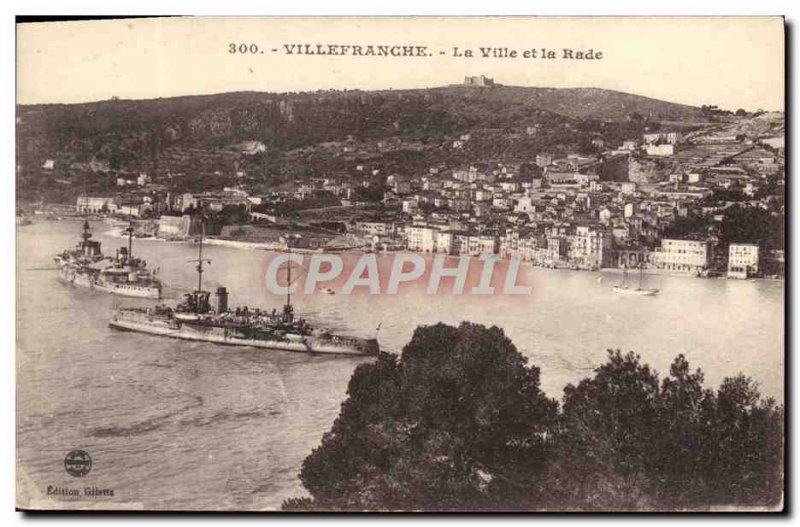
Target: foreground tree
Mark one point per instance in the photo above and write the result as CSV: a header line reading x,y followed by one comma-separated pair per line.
x,y
457,422
627,442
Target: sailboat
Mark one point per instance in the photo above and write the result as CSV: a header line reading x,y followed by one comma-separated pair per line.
x,y
625,288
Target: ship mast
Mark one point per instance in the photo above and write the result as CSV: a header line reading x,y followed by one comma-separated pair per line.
x,y
130,236
86,235
289,271
200,260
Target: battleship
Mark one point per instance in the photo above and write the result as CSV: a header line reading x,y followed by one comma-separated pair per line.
x,y
86,266
195,318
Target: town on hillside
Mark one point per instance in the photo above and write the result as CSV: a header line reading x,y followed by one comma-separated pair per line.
x,y
702,198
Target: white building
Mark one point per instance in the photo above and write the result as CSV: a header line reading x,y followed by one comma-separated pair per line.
x,y
409,206
660,150
375,228
95,204
687,256
481,244
662,137
544,159
589,247
421,238
525,204
444,242
629,210
694,177
742,260
516,245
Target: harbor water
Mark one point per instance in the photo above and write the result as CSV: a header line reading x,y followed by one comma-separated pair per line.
x,y
187,425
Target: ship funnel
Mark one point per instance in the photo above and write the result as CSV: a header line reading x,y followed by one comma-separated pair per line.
x,y
222,300
91,248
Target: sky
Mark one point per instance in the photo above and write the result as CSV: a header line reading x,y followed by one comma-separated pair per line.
x,y
731,62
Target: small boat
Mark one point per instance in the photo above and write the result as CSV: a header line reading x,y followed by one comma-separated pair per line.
x,y
624,287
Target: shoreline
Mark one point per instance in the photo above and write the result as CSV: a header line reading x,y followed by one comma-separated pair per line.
x,y
661,272
263,246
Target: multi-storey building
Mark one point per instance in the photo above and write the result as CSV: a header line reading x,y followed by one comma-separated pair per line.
x,y
375,228
421,238
743,260
482,244
589,247
95,204
688,256
662,137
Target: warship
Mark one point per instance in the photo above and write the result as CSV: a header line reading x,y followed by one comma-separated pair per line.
x,y
86,266
195,318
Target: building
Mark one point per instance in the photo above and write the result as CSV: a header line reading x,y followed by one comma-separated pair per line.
x,y
543,160
743,260
685,256
137,210
629,210
660,150
481,244
214,201
479,81
375,228
95,204
444,242
589,247
662,137
525,204
694,177
421,238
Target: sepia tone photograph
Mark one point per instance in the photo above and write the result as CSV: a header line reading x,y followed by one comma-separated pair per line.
x,y
404,264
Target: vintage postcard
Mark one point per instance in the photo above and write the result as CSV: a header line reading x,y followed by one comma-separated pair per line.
x,y
400,264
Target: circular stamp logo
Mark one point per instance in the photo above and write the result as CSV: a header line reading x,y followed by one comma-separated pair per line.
x,y
78,463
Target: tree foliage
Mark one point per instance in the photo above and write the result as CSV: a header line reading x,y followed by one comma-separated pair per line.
x,y
458,422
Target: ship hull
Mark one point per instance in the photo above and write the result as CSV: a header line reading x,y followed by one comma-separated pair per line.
x,y
219,336
635,292
130,290
69,275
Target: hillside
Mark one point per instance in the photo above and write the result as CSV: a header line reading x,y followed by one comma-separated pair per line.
x,y
303,134
584,103
293,120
